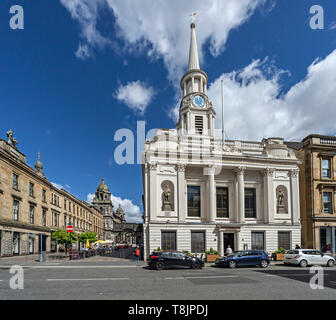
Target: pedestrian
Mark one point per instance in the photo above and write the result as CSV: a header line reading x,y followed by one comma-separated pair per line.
x,y
297,247
137,254
228,250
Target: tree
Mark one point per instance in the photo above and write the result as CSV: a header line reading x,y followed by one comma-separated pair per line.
x,y
64,237
88,235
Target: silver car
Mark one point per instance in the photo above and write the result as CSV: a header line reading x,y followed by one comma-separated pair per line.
x,y
306,257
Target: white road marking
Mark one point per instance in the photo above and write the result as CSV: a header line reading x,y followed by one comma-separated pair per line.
x,y
89,279
203,277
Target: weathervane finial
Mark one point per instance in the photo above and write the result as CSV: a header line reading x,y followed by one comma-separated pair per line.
x,y
193,17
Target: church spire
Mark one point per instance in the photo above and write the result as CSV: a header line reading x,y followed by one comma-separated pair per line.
x,y
193,52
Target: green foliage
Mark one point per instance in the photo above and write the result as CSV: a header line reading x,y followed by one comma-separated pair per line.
x,y
64,237
88,235
186,252
158,249
211,251
281,251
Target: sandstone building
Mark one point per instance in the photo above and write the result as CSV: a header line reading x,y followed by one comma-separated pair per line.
x,y
31,208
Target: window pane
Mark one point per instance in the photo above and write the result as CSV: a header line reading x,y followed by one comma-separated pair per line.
x,y
327,202
326,168
284,240
222,202
168,240
194,201
197,242
257,241
250,203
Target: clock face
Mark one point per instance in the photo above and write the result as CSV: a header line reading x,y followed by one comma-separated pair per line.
x,y
198,101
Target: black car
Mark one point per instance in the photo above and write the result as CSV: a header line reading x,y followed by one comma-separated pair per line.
x,y
173,259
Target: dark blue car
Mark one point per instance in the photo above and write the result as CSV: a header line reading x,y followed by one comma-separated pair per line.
x,y
244,258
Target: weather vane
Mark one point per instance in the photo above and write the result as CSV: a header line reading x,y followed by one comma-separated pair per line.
x,y
193,17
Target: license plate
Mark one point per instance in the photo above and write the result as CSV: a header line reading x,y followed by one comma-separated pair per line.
x,y
288,258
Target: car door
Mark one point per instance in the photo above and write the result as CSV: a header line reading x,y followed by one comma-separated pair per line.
x,y
308,256
177,259
317,257
244,258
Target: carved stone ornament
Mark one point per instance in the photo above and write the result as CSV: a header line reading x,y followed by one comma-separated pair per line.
x,y
294,173
181,167
269,172
153,166
240,170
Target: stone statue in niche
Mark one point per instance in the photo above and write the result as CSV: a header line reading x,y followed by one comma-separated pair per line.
x,y
167,198
281,194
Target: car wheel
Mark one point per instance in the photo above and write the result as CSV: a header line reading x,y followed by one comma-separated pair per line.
x,y
330,263
232,264
196,265
264,263
160,266
303,263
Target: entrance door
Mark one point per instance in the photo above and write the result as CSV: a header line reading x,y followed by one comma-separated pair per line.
x,y
229,241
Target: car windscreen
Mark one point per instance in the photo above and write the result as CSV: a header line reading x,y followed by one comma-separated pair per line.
x,y
293,252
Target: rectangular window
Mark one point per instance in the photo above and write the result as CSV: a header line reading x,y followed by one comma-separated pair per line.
x,y
194,201
250,203
326,168
197,242
44,195
257,240
284,240
31,189
65,204
168,240
198,124
69,206
222,195
44,217
31,211
15,181
327,202
65,220
16,210
55,219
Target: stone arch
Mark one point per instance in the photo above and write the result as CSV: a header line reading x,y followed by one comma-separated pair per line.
x,y
167,204
282,199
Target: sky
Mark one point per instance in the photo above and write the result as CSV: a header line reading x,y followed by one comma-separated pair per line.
x,y
81,70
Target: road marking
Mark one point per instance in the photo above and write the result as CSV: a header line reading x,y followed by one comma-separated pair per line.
x,y
72,267
203,277
89,279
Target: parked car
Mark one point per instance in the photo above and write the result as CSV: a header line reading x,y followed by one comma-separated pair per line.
x,y
244,258
306,257
173,259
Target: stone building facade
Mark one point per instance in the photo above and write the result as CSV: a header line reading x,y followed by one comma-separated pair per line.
x,y
31,208
201,192
318,191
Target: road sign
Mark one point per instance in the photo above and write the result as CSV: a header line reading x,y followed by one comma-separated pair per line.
x,y
69,228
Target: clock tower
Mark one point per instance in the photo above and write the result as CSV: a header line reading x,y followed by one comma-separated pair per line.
x,y
196,114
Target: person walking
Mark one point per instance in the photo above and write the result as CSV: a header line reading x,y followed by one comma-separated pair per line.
x,y
228,250
137,254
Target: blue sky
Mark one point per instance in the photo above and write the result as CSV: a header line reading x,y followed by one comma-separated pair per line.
x,y
68,103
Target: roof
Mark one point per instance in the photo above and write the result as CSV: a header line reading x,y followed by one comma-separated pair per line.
x,y
294,144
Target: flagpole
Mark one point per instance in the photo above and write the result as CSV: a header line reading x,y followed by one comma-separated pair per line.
x,y
223,134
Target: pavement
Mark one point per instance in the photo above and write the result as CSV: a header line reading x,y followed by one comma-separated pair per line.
x,y
101,277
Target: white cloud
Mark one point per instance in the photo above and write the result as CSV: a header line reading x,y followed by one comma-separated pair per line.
x,y
57,185
136,95
132,211
255,106
162,27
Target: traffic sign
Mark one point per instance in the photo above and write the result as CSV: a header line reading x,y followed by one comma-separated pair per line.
x,y
69,228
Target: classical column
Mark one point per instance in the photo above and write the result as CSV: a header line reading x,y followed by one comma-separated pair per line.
x,y
269,193
295,196
146,196
212,193
181,196
201,85
153,191
241,194
220,243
